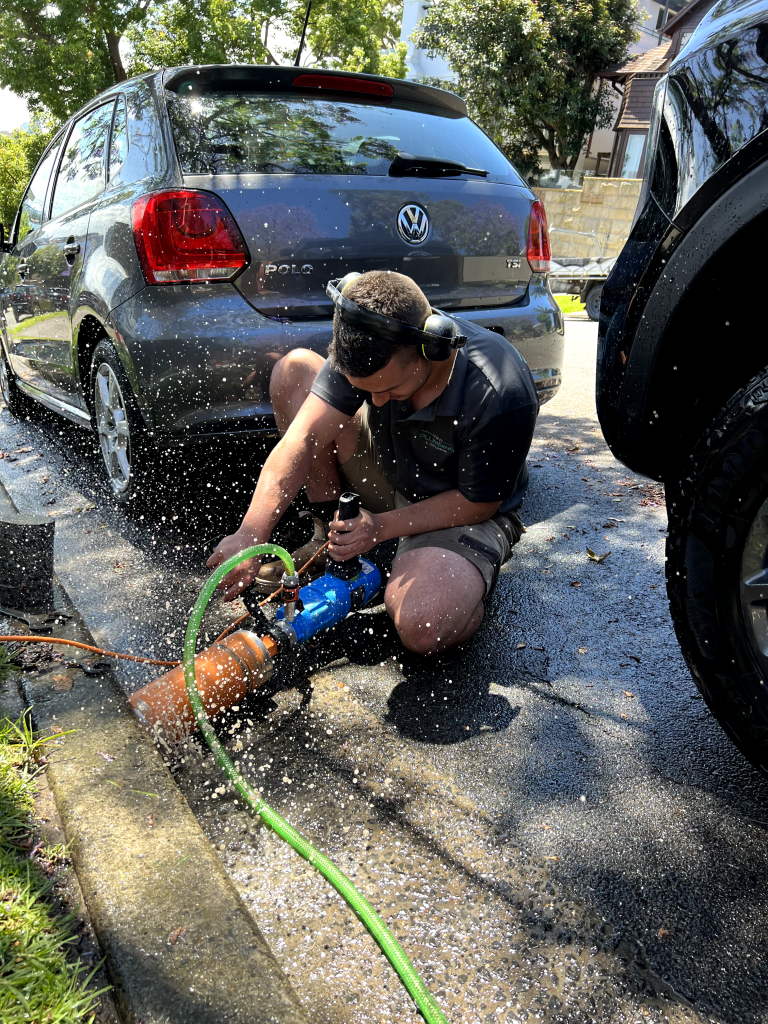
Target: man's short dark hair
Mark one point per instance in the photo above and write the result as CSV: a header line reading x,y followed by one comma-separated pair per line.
x,y
357,354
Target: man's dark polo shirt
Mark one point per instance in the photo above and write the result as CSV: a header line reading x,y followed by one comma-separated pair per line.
x,y
474,437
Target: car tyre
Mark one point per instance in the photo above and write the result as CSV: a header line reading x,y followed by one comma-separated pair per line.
x,y
717,558
17,403
592,302
119,426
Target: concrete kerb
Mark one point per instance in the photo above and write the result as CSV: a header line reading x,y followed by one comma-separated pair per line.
x,y
180,945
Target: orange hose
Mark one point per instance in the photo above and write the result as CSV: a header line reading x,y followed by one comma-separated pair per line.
x,y
88,647
152,661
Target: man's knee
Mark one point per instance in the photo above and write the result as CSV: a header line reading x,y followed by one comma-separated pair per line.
x,y
434,607
296,370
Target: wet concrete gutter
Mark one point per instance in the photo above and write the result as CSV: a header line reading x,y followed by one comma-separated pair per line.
x,y
181,947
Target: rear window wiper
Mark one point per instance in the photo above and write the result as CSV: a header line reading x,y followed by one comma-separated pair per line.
x,y
405,165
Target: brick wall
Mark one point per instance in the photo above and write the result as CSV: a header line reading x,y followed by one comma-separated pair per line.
x,y
604,205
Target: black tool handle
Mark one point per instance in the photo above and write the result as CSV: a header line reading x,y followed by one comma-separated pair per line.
x,y
349,505
349,508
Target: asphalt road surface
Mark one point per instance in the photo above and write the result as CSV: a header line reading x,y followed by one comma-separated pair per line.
x,y
554,825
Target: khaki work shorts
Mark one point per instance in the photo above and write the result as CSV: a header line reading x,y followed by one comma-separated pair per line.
x,y
487,545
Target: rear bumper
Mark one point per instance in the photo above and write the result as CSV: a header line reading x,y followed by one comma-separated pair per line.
x,y
200,358
536,329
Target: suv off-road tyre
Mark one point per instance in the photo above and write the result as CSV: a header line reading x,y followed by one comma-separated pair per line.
x,y
711,513
129,480
17,403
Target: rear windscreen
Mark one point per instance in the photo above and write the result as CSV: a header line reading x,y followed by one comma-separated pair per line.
x,y
274,133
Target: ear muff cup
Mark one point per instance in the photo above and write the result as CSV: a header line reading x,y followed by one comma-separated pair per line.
x,y
436,339
445,331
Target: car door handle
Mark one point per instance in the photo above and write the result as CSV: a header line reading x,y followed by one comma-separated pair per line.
x,y
71,249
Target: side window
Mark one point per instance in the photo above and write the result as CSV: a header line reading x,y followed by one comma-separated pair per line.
x,y
31,210
118,147
81,173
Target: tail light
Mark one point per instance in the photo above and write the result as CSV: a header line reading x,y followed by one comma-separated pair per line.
x,y
539,253
187,236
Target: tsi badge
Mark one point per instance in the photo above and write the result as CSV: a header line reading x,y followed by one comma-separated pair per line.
x,y
413,224
288,268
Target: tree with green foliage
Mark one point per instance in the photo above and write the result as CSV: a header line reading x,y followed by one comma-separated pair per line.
x,y
60,55
528,68
177,32
19,154
344,34
351,35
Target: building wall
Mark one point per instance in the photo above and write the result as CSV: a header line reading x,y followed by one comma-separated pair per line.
x,y
604,205
419,64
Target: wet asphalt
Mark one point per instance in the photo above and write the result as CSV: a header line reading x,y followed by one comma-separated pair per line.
x,y
553,824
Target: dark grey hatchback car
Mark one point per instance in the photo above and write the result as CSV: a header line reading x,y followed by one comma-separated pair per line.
x,y
177,236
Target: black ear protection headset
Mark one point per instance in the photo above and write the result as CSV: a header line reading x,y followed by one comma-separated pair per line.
x,y
437,338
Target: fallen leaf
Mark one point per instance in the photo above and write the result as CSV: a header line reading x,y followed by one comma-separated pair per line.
x,y
582,650
175,935
107,757
56,728
21,451
623,716
596,558
628,694
575,583
520,647
72,511
62,682
576,448
610,526
662,933
550,858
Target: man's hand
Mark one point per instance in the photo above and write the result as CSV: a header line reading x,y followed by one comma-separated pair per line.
x,y
235,582
350,537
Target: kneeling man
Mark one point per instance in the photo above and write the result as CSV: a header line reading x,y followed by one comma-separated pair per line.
x,y
436,450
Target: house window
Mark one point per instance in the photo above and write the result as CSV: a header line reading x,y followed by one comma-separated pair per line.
x,y
632,159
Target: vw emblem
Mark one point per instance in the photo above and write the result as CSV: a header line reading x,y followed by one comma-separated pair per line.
x,y
413,224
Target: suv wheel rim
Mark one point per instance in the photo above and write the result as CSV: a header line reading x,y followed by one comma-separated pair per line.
x,y
754,586
5,384
112,425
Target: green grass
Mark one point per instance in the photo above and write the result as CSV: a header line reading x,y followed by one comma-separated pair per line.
x,y
569,303
39,982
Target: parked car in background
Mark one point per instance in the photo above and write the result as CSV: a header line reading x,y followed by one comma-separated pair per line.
x,y
682,387
177,236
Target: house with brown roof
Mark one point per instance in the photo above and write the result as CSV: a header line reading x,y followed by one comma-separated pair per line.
x,y
635,80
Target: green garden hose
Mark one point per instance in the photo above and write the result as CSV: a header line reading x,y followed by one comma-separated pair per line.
x,y
388,944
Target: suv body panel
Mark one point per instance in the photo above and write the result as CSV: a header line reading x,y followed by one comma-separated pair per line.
x,y
705,181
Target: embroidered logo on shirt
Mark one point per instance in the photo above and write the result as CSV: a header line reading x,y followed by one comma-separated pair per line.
x,y
435,441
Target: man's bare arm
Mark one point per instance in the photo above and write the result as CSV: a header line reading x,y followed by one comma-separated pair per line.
x,y
440,512
315,427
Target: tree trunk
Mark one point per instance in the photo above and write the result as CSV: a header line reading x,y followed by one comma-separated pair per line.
x,y
113,45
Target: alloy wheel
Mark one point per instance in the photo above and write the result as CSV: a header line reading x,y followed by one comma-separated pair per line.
x,y
5,383
754,586
113,428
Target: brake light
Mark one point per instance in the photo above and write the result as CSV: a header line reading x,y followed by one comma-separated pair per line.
x,y
337,83
539,253
187,236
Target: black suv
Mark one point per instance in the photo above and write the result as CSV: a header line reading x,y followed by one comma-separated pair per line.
x,y
682,387
177,236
